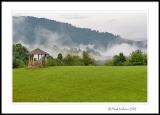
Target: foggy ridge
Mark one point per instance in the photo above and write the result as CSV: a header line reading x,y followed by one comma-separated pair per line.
x,y
58,37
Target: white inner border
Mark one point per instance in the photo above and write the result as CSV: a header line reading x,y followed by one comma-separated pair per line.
x,y
8,8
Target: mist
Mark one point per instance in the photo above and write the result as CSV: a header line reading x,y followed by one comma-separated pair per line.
x,y
54,43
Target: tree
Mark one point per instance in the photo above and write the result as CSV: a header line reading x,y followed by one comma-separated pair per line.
x,y
77,60
72,60
122,58
60,57
127,62
17,63
68,60
137,58
87,59
119,59
145,59
51,61
20,56
116,60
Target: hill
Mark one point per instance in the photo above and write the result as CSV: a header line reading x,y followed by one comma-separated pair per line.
x,y
54,37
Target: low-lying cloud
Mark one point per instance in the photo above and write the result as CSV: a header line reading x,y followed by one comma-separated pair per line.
x,y
54,43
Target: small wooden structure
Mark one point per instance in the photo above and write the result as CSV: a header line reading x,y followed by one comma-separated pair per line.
x,y
37,58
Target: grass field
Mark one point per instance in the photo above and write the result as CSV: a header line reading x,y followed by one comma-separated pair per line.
x,y
80,84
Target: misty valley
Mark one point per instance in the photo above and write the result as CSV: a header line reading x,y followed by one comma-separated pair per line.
x,y
57,37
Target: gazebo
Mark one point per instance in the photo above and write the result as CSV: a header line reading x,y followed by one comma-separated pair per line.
x,y
37,58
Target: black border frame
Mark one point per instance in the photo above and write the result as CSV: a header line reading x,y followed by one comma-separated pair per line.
x,y
73,1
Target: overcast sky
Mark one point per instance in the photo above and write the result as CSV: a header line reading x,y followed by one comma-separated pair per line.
x,y
128,25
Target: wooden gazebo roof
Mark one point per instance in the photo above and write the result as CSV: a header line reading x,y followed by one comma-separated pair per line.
x,y
38,51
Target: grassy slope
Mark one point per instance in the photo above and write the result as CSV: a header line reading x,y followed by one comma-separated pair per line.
x,y
80,84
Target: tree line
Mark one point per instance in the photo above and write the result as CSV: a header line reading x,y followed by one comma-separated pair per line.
x,y
71,60
20,59
136,58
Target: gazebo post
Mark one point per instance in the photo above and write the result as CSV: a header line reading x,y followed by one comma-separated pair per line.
x,y
33,58
45,59
28,60
41,59
38,57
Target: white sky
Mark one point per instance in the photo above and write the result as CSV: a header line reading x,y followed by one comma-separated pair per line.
x,y
128,25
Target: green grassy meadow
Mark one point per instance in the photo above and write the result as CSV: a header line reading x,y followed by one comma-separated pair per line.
x,y
80,84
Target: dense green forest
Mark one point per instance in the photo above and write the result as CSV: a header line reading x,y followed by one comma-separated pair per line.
x,y
29,30
20,59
